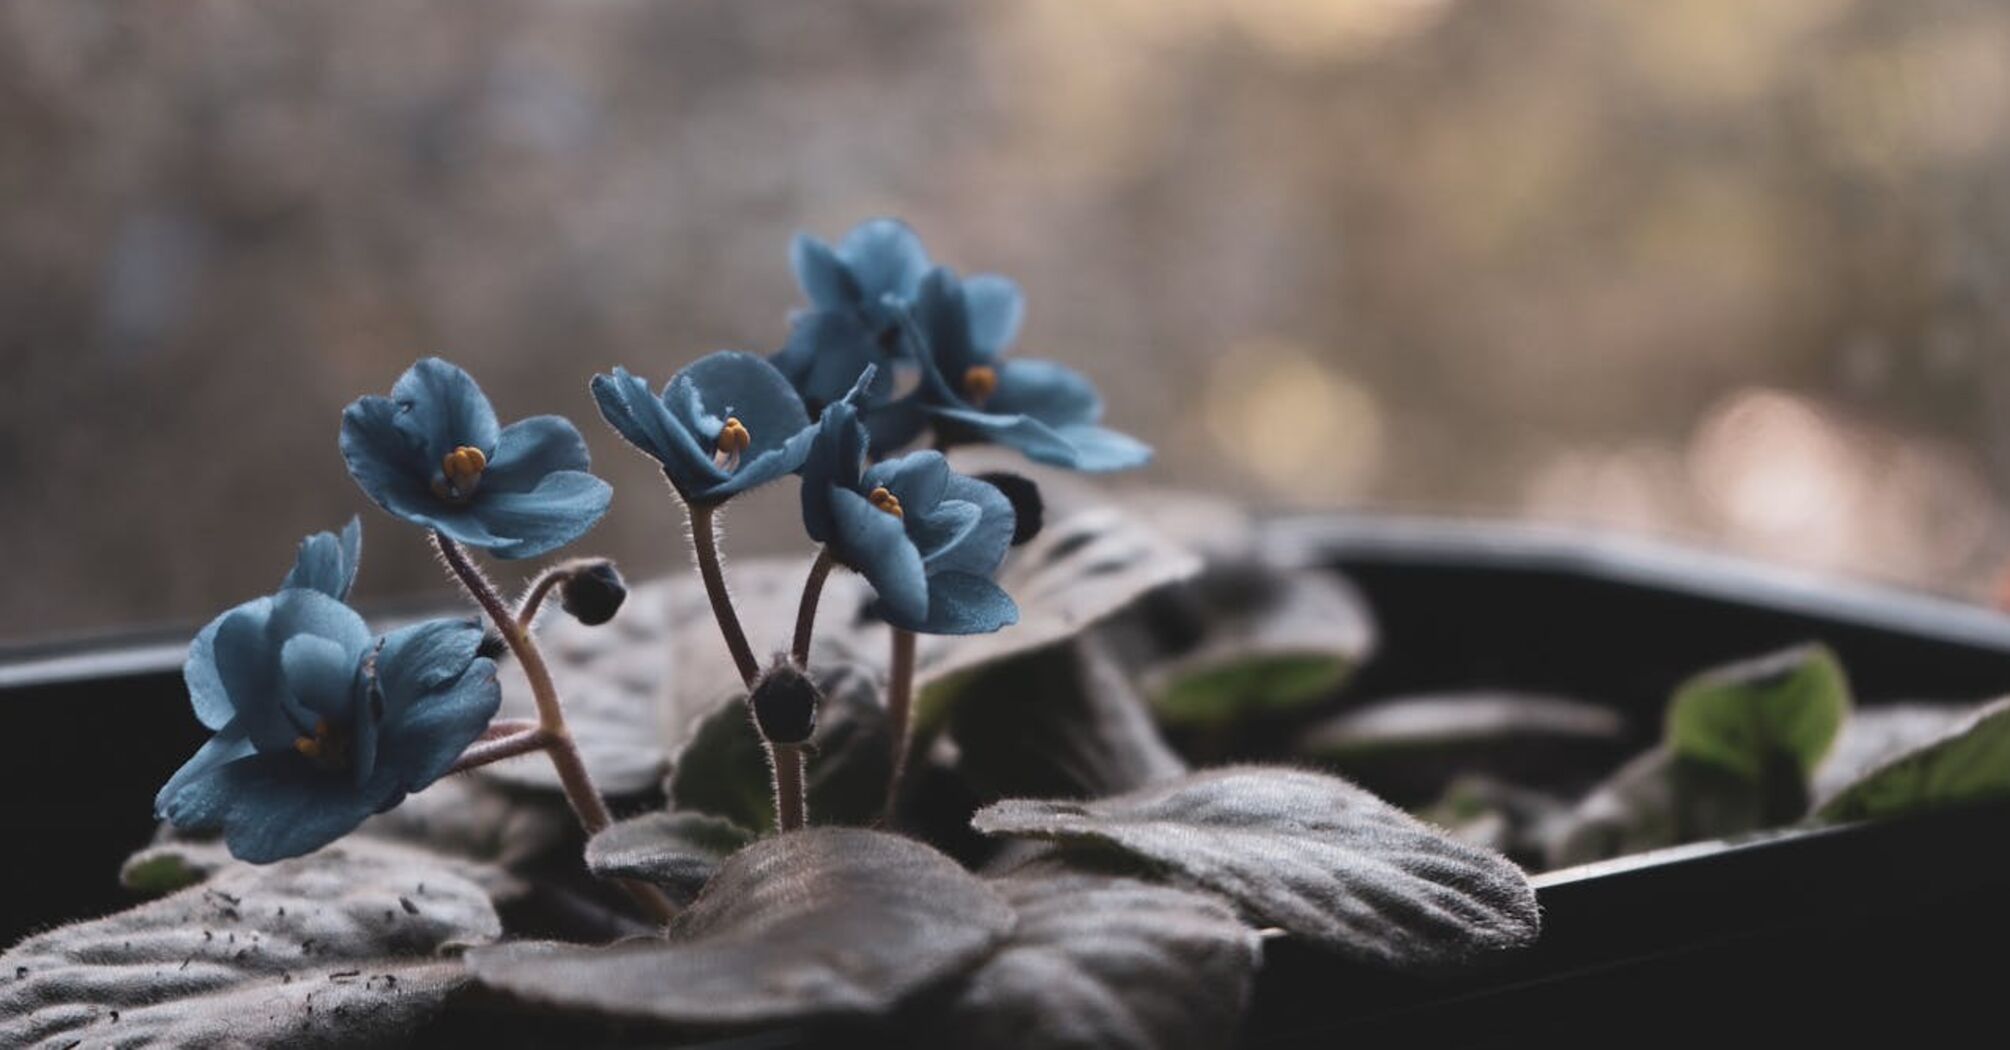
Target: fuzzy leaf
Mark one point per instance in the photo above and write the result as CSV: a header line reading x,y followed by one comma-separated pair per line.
x,y
1968,763
1062,722
1104,962
1312,854
678,851
333,949
615,682
1748,717
1664,799
1874,736
723,768
1243,638
811,924
1411,748
490,831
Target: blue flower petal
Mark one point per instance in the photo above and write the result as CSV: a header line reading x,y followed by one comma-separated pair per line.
x,y
441,404
996,308
1099,449
320,675
895,424
562,507
529,449
247,666
960,603
645,420
746,387
206,690
824,278
942,529
941,316
416,660
427,736
875,544
271,806
1051,393
1035,440
885,258
228,745
917,479
326,563
982,549
834,459
826,351
386,463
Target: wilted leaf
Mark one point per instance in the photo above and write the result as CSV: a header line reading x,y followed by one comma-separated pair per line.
x,y
1099,962
1874,736
1080,570
1411,747
1242,638
1750,717
678,851
1968,763
723,768
1312,854
1062,722
338,948
816,923
615,682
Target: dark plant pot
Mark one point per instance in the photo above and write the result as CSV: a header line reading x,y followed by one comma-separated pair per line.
x,y
1797,932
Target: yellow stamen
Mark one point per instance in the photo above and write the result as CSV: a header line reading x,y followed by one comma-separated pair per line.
x,y
886,501
327,748
733,440
463,469
979,383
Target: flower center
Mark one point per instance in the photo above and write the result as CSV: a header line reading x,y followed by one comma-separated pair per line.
x,y
979,383
733,440
885,501
461,472
327,748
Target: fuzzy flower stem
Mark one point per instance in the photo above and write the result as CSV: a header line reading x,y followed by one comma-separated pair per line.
x,y
557,739
541,588
899,707
791,805
806,613
704,543
495,748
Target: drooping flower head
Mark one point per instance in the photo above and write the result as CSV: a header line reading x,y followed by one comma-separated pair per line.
x,y
971,392
859,292
433,454
927,538
318,723
726,423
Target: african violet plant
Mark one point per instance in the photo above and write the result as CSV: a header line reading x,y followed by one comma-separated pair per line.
x,y
812,857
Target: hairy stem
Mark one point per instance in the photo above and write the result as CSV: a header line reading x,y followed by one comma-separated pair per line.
x,y
557,739
540,589
806,613
899,705
704,543
791,799
496,748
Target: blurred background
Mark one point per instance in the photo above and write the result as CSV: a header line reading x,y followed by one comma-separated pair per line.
x,y
1732,273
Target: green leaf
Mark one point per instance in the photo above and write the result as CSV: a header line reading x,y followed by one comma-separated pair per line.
x,y
1244,638
337,948
1968,763
1750,716
1664,799
1874,736
723,768
806,925
173,864
1061,722
1312,854
1098,962
678,851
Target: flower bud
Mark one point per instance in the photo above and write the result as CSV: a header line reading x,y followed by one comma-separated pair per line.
x,y
1028,509
593,593
785,704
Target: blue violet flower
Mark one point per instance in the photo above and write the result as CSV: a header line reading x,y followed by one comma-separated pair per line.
x,y
859,293
318,723
433,454
926,538
726,423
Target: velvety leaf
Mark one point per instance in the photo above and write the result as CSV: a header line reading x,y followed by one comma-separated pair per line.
x,y
1782,708
615,681
1243,638
1874,736
1060,722
1664,799
722,769
1968,763
1082,568
678,851
1410,748
1312,854
493,832
1099,962
1497,815
338,948
810,924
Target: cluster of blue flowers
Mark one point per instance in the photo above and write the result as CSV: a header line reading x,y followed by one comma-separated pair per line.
x,y
319,723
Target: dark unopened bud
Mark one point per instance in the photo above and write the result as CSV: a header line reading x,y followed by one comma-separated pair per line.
x,y
785,704
593,594
1028,509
